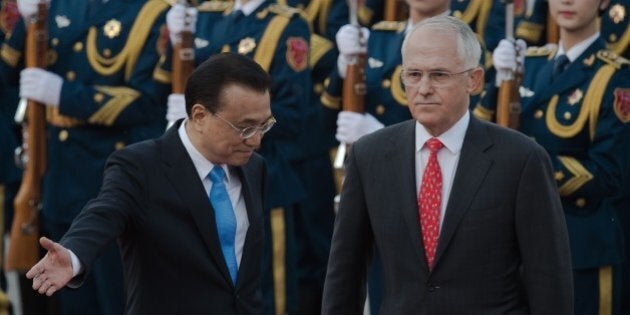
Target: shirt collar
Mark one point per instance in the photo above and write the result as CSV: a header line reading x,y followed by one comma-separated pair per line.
x,y
248,7
578,49
202,165
452,139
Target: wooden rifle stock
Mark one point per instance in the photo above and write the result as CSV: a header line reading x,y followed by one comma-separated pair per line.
x,y
183,62
509,107
353,93
394,10
23,250
508,103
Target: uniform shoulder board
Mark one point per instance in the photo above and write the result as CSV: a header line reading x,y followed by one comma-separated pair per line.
x,y
388,26
540,51
612,58
214,6
283,10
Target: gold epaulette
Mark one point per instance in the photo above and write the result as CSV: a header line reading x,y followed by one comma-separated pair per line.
x,y
389,26
548,50
283,10
214,6
612,59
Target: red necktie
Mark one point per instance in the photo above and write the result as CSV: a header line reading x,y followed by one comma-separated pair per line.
x,y
430,200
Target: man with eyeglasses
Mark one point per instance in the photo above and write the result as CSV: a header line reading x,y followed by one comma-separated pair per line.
x,y
464,213
186,209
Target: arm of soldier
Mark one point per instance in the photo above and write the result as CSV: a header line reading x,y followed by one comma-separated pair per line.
x,y
12,55
291,84
543,238
584,179
137,99
345,285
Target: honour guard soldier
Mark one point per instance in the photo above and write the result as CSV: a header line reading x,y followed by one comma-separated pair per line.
x,y
575,103
277,37
9,174
485,17
615,24
100,96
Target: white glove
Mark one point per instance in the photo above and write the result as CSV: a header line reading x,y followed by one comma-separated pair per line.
x,y
507,57
351,126
176,107
28,8
41,86
179,19
347,39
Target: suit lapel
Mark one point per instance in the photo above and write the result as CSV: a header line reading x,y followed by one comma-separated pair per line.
x,y
180,171
403,178
472,168
254,214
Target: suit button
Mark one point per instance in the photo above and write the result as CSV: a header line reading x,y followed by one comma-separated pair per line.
x,y
431,288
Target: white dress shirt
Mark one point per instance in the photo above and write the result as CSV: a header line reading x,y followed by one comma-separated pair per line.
x,y
578,49
232,183
448,156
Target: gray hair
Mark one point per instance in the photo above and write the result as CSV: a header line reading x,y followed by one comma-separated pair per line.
x,y
468,48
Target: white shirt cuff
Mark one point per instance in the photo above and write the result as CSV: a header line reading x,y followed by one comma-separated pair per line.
x,y
77,268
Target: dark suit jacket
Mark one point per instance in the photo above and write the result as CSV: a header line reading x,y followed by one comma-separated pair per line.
x,y
153,201
503,246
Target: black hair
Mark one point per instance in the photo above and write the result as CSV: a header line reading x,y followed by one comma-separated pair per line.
x,y
205,84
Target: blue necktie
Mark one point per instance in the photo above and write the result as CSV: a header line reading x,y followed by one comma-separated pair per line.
x,y
225,218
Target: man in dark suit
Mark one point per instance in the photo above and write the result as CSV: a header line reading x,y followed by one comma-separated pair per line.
x,y
186,208
465,214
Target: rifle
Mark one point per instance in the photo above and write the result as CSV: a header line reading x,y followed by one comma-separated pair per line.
x,y
354,89
552,29
183,60
509,107
395,10
23,250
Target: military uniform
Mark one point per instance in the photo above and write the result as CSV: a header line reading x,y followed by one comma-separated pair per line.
x,y
581,118
276,37
531,26
106,53
615,26
485,17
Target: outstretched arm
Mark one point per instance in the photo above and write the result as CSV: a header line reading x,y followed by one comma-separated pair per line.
x,y
53,271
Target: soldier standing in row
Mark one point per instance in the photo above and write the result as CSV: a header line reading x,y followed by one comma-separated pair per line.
x,y
575,103
100,96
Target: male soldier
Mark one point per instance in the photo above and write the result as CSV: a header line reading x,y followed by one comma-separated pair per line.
x,y
575,103
277,38
9,173
100,96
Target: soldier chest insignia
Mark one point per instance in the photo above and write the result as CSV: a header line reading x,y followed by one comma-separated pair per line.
x,y
112,28
297,53
374,63
575,97
246,45
617,13
62,21
622,104
9,15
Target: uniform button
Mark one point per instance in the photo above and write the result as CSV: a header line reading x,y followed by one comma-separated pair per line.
x,y
567,115
581,202
98,97
612,38
318,88
107,52
54,42
71,75
63,135
119,145
538,114
559,175
380,110
386,84
78,46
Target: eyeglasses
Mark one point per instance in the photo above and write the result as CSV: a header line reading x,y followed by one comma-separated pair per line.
x,y
248,132
414,77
